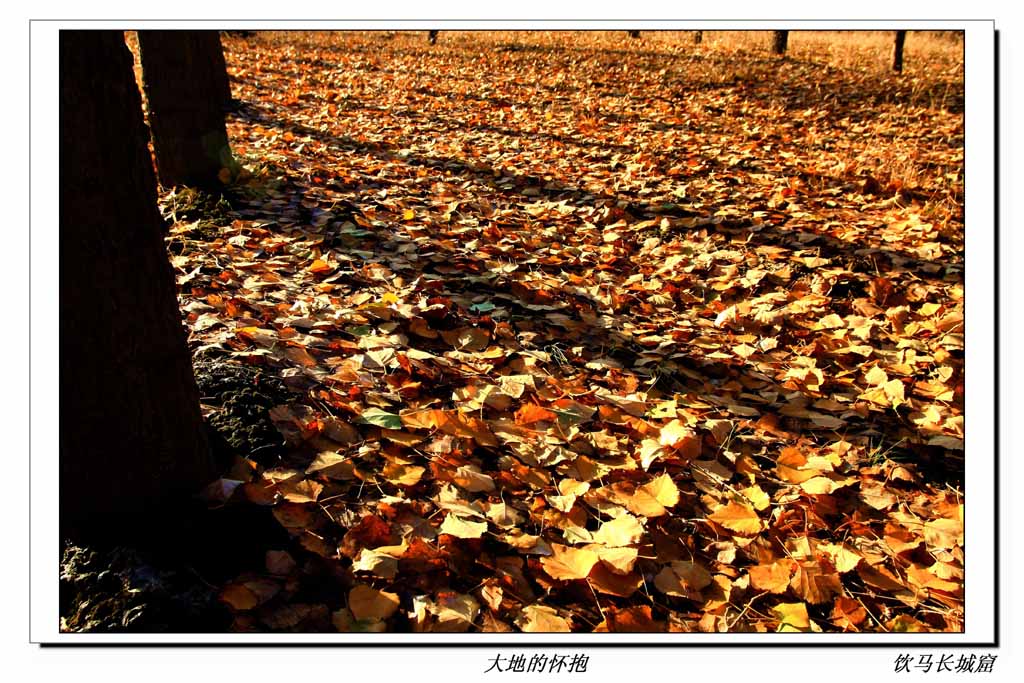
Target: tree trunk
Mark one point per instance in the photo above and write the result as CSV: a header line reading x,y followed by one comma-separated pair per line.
x,y
780,40
131,434
432,37
897,52
220,72
183,76
634,34
698,37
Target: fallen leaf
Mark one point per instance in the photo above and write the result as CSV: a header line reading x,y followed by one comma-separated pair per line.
x,y
462,528
366,602
566,563
738,518
541,619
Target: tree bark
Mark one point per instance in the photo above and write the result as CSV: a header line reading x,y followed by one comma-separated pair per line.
x,y
184,79
897,51
220,73
780,41
131,434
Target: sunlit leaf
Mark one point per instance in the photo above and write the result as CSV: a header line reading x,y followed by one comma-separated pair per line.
x,y
462,528
366,602
738,518
567,563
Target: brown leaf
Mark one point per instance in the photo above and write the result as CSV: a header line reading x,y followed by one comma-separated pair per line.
x,y
683,578
604,580
629,620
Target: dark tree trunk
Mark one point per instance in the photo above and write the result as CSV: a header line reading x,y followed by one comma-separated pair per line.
x,y
432,36
184,79
131,434
897,52
698,37
780,41
634,34
220,72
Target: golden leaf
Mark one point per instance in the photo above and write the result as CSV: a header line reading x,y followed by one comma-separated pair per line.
x,y
876,376
792,616
619,560
757,496
817,485
843,558
678,434
944,533
773,577
663,490
623,530
403,475
650,450
366,602
738,518
567,563
541,619
462,528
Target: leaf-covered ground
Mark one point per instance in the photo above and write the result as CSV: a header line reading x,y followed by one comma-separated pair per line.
x,y
585,333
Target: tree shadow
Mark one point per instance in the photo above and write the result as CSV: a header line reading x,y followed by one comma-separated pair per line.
x,y
519,186
588,324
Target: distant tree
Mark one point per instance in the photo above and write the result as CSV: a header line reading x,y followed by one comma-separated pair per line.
x,y
634,34
185,82
432,37
897,52
698,37
131,435
780,40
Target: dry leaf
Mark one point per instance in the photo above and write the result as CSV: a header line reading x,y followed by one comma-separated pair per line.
x,y
567,563
738,518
